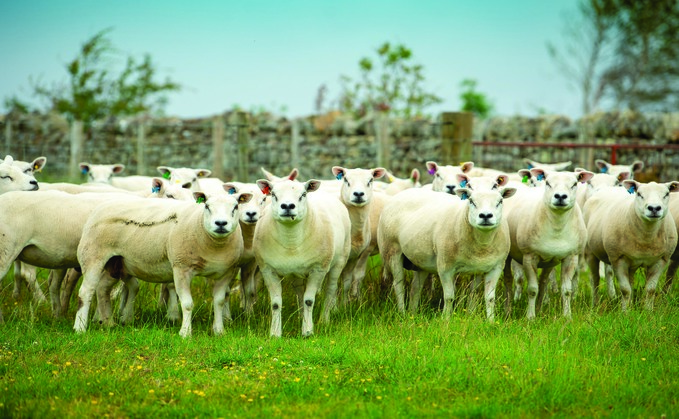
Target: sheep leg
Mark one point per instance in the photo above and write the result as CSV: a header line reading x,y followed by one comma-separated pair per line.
x,y
393,268
519,279
490,281
56,277
594,276
543,288
18,280
182,285
448,284
104,308
126,308
28,274
671,272
67,288
530,264
653,273
419,278
313,284
568,269
221,293
347,280
508,277
622,272
275,288
249,286
90,281
332,277
610,281
474,290
359,274
172,302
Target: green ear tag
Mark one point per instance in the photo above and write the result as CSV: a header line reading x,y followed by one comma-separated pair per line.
x,y
166,175
525,179
200,200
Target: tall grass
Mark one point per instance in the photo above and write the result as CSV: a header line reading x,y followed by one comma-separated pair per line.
x,y
369,361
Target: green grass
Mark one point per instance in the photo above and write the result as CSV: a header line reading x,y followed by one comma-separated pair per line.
x,y
369,361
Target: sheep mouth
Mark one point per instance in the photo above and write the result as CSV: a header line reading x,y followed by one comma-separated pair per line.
x,y
34,188
221,230
359,201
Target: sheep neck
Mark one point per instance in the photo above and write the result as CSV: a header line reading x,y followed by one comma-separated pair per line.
x,y
646,229
480,238
294,235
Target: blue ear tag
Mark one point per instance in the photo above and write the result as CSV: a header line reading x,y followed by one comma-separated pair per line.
x,y
166,175
631,189
530,166
232,191
339,175
541,177
200,200
84,170
604,169
464,196
463,183
155,189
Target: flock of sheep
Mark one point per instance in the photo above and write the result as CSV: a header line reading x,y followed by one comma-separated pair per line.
x,y
316,236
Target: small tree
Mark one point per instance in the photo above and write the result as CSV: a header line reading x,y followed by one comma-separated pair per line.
x,y
392,83
94,92
473,101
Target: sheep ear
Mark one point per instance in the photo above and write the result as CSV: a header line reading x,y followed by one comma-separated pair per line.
x,y
623,176
467,166
673,186
264,186
244,197
432,167
584,176
529,163
538,173
389,177
267,175
165,171
199,197
602,165
631,186
312,185
39,163
157,185
637,166
415,175
293,174
502,180
379,172
507,192
203,172
230,188
463,193
84,167
118,168
462,180
338,172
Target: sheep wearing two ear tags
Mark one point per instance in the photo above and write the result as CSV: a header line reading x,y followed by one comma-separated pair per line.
x,y
616,169
639,235
356,194
161,240
547,229
431,232
445,177
302,236
185,177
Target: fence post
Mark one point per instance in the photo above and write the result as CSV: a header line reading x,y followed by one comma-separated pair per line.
x,y
383,140
141,148
76,148
239,121
218,147
294,144
8,138
456,137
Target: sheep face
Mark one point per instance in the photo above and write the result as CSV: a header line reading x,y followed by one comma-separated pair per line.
x,y
12,178
288,198
31,167
101,173
651,199
616,169
184,177
220,215
357,184
485,206
162,189
445,177
561,187
483,182
251,210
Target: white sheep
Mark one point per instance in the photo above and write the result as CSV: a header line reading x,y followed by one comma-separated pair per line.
x,y
616,169
553,167
302,236
185,177
445,177
638,234
356,194
104,174
161,241
396,185
674,259
13,178
547,229
430,232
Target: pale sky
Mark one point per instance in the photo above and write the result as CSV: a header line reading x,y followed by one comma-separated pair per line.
x,y
276,54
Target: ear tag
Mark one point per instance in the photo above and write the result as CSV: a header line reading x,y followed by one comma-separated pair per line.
x,y
464,196
200,200
604,169
530,166
166,175
35,167
463,183
631,189
339,176
84,171
390,178
431,171
266,190
232,191
525,179
155,189
541,177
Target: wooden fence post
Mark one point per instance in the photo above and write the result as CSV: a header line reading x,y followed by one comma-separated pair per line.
x,y
76,148
239,121
294,144
218,147
456,137
8,138
383,140
141,148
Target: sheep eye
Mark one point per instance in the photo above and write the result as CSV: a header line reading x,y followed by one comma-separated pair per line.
x,y
7,177
547,184
187,185
472,202
302,196
370,182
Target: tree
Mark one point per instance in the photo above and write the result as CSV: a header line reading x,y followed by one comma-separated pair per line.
x,y
473,101
94,92
624,51
392,83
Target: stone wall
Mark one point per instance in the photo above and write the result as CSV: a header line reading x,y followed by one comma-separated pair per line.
x,y
317,143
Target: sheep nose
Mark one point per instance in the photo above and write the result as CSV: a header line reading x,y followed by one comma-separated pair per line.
x,y
221,223
486,216
654,209
359,194
34,182
450,189
251,214
560,197
287,206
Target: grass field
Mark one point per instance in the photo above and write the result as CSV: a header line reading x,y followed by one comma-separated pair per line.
x,y
369,361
